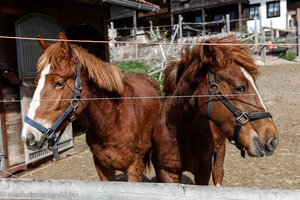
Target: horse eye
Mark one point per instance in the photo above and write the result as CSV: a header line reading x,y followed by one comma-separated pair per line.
x,y
59,84
240,88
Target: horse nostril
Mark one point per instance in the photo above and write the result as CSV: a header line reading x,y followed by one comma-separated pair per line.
x,y
272,143
31,141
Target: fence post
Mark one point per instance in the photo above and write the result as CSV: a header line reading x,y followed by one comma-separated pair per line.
x,y
180,27
113,36
263,38
227,23
135,32
256,34
272,31
176,27
298,30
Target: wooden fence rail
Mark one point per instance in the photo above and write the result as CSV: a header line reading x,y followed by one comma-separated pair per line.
x,y
67,189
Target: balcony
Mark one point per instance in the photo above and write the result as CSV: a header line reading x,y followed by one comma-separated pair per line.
x,y
188,5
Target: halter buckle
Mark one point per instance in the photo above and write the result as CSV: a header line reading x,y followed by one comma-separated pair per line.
x,y
243,118
78,84
49,134
214,88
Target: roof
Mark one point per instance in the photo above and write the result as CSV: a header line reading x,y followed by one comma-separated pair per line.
x,y
147,3
137,4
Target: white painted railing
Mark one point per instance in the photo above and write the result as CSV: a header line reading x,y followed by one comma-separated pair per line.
x,y
89,190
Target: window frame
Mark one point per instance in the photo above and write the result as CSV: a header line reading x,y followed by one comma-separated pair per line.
x,y
273,3
256,7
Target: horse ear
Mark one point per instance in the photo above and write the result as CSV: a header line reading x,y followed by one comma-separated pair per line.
x,y
64,44
44,45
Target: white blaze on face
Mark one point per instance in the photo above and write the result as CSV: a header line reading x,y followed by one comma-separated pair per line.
x,y
35,103
250,79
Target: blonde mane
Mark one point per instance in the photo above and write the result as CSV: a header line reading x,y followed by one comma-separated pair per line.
x,y
105,75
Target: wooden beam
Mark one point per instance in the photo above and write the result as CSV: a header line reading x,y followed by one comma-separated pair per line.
x,y
298,30
240,15
67,189
278,29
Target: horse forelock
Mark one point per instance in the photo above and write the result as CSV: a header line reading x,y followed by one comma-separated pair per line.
x,y
53,55
105,75
219,56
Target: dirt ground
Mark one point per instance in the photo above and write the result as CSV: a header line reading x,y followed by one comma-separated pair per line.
x,y
279,84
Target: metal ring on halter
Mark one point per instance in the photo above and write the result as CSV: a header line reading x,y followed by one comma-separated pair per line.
x,y
214,88
74,103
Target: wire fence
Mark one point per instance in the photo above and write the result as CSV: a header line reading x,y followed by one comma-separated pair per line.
x,y
158,47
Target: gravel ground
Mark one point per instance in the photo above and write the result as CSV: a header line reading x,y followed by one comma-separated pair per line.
x,y
279,84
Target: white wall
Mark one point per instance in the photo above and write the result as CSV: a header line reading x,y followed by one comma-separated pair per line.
x,y
277,22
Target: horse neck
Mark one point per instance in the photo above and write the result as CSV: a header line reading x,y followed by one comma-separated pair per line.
x,y
102,108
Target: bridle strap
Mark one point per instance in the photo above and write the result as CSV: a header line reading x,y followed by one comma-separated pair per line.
x,y
242,118
50,132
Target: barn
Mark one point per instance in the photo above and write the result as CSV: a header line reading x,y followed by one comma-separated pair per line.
x,y
79,20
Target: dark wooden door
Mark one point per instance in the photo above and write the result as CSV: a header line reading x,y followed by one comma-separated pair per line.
x,y
28,52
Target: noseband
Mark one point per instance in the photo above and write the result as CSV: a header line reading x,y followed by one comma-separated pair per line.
x,y
242,118
50,132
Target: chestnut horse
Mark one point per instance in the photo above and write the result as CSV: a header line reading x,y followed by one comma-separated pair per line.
x,y
120,123
214,97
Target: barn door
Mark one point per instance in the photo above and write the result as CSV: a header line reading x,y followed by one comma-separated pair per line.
x,y
28,52
2,160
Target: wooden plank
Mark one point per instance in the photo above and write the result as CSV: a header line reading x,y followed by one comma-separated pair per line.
x,y
15,160
15,145
278,29
14,136
16,153
13,115
11,107
14,120
52,189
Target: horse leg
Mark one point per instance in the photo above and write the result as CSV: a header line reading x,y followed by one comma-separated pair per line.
x,y
164,176
202,175
135,171
104,173
218,165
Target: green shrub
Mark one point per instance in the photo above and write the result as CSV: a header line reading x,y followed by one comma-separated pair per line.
x,y
136,66
289,55
132,66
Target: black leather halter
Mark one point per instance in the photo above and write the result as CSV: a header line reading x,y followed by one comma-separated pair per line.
x,y
242,118
50,132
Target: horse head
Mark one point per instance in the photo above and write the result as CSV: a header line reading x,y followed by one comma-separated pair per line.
x,y
237,108
66,73
225,71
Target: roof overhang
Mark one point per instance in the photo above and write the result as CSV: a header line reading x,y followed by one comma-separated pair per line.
x,y
135,5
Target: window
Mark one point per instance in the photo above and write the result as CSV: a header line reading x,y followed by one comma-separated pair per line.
x,y
273,9
218,17
254,11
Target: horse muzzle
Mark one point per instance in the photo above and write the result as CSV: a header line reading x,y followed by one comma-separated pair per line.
x,y
259,149
33,143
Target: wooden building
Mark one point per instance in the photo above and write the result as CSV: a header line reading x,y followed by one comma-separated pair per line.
x,y
211,10
293,7
127,17
79,20
18,58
